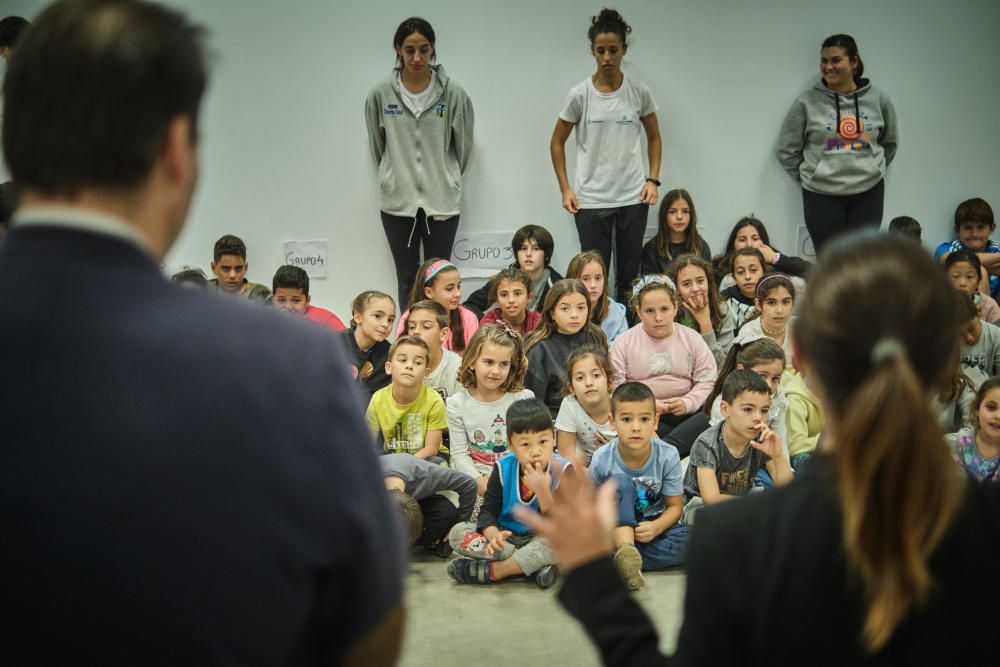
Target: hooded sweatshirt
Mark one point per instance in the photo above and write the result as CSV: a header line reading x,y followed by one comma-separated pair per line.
x,y
420,160
822,146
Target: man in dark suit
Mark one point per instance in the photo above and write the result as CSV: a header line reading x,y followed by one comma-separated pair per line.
x,y
169,495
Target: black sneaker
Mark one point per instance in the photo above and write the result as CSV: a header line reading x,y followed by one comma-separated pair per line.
x,y
442,549
546,576
470,571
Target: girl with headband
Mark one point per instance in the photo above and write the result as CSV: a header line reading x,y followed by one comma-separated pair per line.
x,y
439,280
419,170
774,299
836,142
610,112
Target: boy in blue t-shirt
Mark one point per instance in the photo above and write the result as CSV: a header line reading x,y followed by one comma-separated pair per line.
x,y
498,546
650,488
973,225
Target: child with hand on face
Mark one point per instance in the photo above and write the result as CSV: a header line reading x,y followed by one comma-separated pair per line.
x,y
650,496
498,545
703,308
408,415
726,458
584,422
980,342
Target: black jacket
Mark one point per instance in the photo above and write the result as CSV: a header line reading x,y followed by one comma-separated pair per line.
x,y
479,301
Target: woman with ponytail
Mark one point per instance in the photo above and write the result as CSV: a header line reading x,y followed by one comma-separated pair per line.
x,y
869,556
836,142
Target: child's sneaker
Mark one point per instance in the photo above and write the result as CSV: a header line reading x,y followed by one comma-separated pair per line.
x,y
628,560
442,549
471,571
546,576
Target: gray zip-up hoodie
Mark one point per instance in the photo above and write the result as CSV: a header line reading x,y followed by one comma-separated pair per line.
x,y
420,160
821,145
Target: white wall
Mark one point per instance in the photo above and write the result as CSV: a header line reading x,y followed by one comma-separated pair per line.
x,y
285,154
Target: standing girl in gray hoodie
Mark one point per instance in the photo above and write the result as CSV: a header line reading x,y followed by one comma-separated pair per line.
x,y
420,132
837,140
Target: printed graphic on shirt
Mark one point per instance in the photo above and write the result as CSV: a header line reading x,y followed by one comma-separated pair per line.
x,y
407,435
851,133
735,482
487,448
649,501
392,110
441,109
660,363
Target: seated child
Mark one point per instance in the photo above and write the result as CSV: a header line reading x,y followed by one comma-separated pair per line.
x,y
953,403
904,225
415,486
605,312
747,268
973,225
365,344
511,290
407,414
964,270
650,494
980,340
230,267
290,293
703,308
584,422
976,448
804,419
749,232
439,280
671,359
726,458
428,320
498,546
676,234
532,246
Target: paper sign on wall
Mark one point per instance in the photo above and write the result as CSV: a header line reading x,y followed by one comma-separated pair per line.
x,y
482,254
308,255
805,243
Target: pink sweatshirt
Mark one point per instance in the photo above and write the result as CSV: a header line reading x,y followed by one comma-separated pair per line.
x,y
680,365
469,324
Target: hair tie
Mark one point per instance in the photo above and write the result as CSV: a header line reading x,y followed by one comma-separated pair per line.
x,y
887,348
509,330
765,279
652,279
437,267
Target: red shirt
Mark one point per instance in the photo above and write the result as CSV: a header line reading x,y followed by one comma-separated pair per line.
x,y
531,319
324,317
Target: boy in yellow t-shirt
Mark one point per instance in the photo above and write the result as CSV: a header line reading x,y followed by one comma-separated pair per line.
x,y
409,415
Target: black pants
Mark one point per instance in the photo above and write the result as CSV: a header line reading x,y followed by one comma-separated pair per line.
x,y
682,430
405,236
829,215
439,516
595,227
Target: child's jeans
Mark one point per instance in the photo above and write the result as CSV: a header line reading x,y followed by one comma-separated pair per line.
x,y
529,552
668,549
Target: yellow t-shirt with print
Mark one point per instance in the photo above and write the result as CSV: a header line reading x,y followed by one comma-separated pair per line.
x,y
404,427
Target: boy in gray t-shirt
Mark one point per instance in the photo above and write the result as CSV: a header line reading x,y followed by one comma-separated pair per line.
x,y
416,486
980,343
725,459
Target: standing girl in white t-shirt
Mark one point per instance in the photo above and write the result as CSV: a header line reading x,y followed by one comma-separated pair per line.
x,y
613,192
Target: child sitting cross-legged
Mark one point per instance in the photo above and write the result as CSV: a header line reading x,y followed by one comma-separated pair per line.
x,y
498,546
408,415
650,493
726,458
415,486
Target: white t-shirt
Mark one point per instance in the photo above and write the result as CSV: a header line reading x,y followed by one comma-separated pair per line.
x,y
444,378
478,431
590,435
418,102
609,164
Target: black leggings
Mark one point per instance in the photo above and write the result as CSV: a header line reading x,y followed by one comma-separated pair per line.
x,y
682,430
829,215
439,516
405,236
595,227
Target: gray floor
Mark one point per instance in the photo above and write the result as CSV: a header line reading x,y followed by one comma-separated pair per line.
x,y
451,624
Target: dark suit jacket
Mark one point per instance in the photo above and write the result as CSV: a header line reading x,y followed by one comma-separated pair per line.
x,y
767,584
186,478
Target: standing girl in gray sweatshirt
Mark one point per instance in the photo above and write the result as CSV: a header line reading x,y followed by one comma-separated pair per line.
x,y
420,132
836,141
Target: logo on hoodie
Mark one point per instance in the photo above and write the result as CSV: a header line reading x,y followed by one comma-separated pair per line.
x,y
441,109
392,110
851,134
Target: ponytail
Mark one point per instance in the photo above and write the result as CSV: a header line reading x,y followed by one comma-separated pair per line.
x,y
897,493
